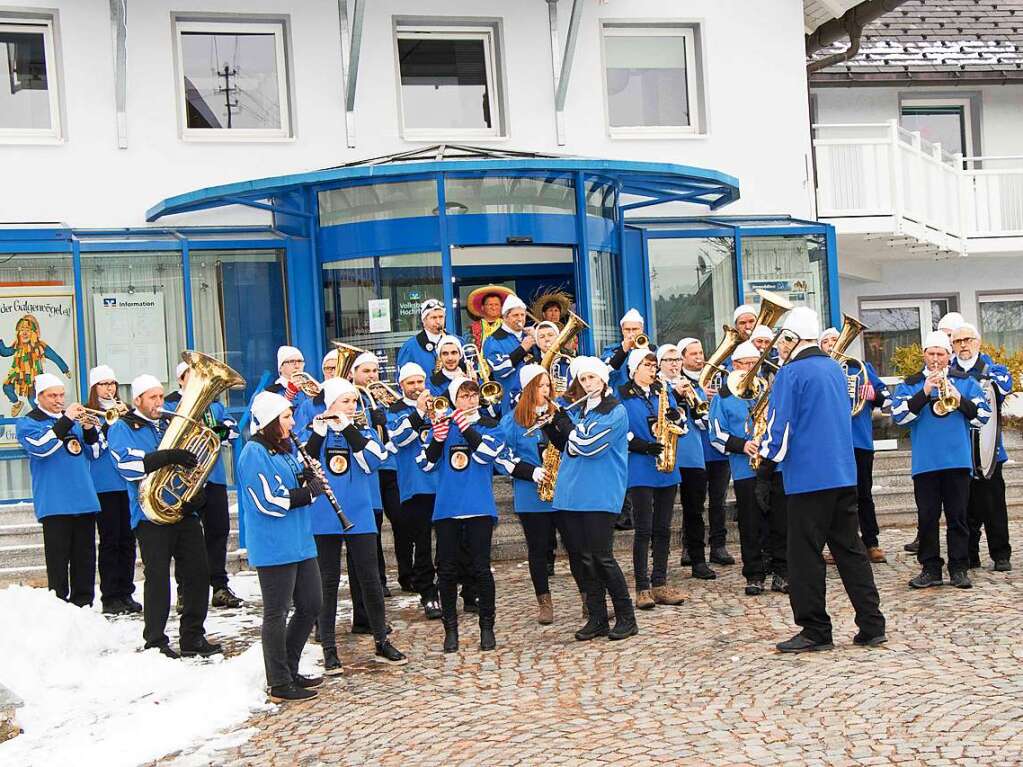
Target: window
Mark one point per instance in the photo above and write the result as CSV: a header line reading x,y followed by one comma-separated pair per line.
x,y
378,202
795,267
940,121
605,299
498,194
692,286
1001,321
29,106
448,83
899,322
650,78
232,80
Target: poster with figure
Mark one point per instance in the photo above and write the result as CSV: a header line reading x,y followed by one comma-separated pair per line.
x,y
131,333
37,335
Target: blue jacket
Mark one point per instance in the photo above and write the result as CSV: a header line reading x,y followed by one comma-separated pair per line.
x,y
729,427
130,439
809,431
642,411
940,442
526,454
710,453
410,433
862,422
463,463
594,462
216,418
307,411
419,349
505,355
105,477
689,450
615,357
59,454
273,506
378,423
1000,378
350,459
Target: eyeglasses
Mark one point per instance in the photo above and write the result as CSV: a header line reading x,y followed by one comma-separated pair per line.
x,y
789,338
647,364
963,340
671,359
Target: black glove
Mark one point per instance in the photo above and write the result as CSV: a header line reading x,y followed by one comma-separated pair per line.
x,y
762,492
378,417
308,475
173,457
315,485
195,505
654,448
221,431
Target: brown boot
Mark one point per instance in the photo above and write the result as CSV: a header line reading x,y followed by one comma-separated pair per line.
x,y
667,595
645,599
876,555
545,615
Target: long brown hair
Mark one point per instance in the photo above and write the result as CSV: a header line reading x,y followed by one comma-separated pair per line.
x,y
529,401
275,436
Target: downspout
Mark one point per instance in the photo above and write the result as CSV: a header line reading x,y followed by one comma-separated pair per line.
x,y
850,24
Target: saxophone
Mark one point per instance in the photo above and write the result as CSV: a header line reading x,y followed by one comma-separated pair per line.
x,y
666,432
551,461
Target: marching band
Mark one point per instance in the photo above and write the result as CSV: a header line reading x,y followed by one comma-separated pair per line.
x,y
784,415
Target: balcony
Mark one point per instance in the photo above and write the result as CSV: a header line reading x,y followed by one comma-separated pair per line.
x,y
880,182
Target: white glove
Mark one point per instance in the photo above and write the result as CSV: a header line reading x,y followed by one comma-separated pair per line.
x,y
320,427
341,422
539,474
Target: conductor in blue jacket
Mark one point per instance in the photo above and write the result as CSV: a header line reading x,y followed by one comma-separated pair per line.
x,y
591,485
942,456
810,434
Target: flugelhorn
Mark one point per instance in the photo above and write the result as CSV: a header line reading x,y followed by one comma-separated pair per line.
x,y
384,394
110,416
306,383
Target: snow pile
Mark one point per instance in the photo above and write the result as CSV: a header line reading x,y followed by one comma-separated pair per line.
x,y
92,698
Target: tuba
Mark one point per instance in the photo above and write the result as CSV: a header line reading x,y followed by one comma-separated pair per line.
x,y
851,328
715,364
346,354
164,493
556,354
772,308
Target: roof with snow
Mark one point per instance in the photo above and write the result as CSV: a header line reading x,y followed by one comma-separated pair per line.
x,y
935,41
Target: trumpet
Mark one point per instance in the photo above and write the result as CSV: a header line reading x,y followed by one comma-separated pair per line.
x,y
642,341
110,416
947,401
306,383
697,406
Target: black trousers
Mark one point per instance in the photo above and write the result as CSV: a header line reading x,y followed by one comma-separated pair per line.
x,y
116,546
363,582
761,535
381,565
829,516
184,543
694,495
934,490
774,529
476,534
987,509
865,496
399,526
539,528
652,508
69,547
718,475
418,514
298,584
591,535
216,528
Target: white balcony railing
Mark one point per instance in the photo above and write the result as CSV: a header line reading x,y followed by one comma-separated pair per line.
x,y
882,170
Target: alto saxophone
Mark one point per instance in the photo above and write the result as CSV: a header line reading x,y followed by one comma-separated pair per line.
x,y
666,432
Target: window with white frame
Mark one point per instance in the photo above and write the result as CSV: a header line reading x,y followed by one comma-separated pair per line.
x,y
448,82
940,121
1001,320
29,105
232,80
651,80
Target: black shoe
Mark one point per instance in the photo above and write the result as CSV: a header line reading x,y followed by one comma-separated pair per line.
x,y
487,639
368,630
800,643
913,546
451,635
132,605
115,607
224,597
308,681
685,561
291,692
203,649
754,587
432,610
1002,565
862,640
623,628
388,653
624,523
331,663
719,555
387,591
779,584
594,628
960,580
470,605
702,571
167,651
925,580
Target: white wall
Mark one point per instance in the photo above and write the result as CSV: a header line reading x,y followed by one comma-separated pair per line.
x,y
756,90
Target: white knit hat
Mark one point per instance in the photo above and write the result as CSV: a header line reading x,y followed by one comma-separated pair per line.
x,y
180,370
142,384
761,331
454,386
287,353
446,340
664,349
804,323
741,310
334,388
938,338
330,356
951,321
101,373
745,351
685,342
548,324
47,381
511,302
636,356
632,315
828,333
266,407
429,305
410,369
528,372
364,359
594,365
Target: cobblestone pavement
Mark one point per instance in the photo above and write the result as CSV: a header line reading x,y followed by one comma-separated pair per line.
x,y
700,685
